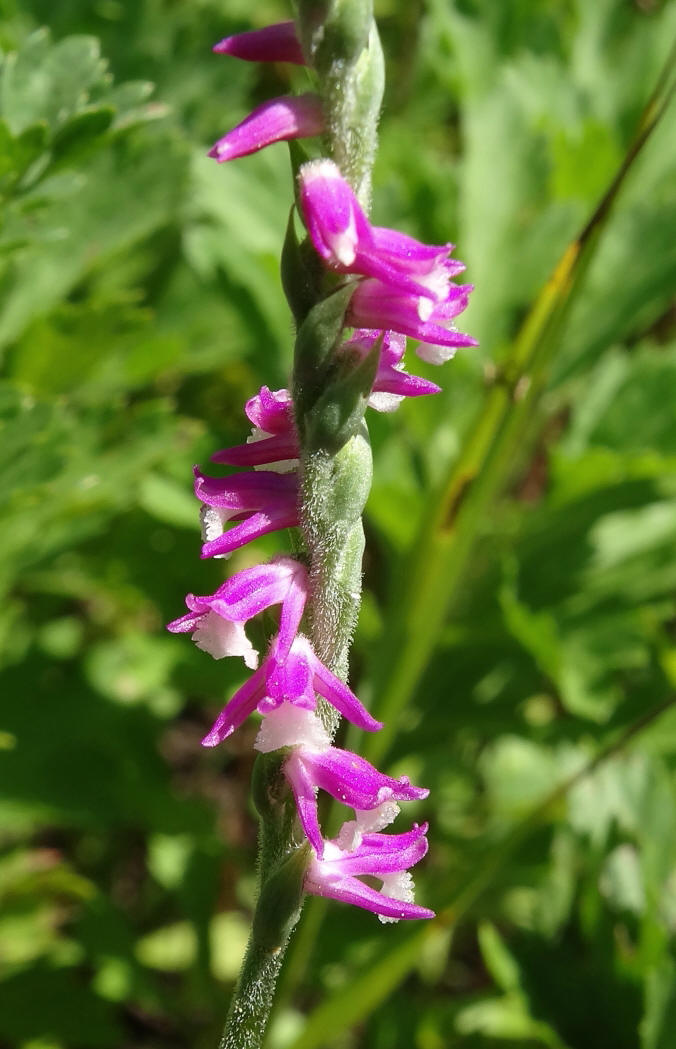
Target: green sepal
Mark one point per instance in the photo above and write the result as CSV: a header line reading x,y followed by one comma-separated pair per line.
x,y
337,414
316,341
275,805
280,901
267,784
301,273
339,503
298,156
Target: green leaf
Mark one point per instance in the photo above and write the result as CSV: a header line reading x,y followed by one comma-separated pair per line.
x,y
121,195
18,152
168,501
81,129
657,1026
499,962
363,992
49,82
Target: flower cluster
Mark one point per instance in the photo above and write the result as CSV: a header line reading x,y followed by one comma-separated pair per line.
x,y
401,288
406,287
284,687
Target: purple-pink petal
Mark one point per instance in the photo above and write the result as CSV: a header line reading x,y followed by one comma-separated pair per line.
x,y
351,779
288,680
342,698
185,624
390,376
351,890
403,385
274,449
408,249
376,305
393,348
274,43
334,219
390,854
245,492
271,413
277,120
256,525
270,410
237,710
251,591
302,784
292,613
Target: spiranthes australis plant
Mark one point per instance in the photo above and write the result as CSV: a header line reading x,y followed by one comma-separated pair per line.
x,y
356,291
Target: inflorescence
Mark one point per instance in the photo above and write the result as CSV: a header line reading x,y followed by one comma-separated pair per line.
x,y
401,288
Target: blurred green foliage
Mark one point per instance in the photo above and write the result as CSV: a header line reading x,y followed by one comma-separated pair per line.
x,y
141,305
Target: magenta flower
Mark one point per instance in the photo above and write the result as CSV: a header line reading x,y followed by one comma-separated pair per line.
x,y
335,221
289,677
276,120
274,43
262,501
346,241
273,438
379,305
386,857
347,778
391,383
217,622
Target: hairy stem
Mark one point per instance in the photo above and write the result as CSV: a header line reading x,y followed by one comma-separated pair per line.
x,y
341,42
334,490
252,1001
282,866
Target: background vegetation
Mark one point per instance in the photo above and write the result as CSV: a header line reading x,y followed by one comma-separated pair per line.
x,y
532,687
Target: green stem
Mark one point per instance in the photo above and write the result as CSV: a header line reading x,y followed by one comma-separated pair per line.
x,y
341,42
252,1001
282,865
335,488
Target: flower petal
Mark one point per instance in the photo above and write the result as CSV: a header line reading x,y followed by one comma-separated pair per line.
x,y
274,43
351,779
342,698
351,890
277,120
237,710
253,527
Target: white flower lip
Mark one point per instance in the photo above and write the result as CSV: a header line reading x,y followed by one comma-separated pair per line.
x,y
221,637
291,726
212,522
320,168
